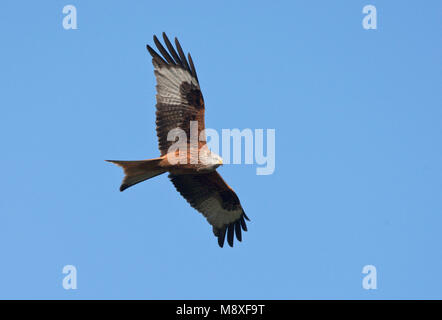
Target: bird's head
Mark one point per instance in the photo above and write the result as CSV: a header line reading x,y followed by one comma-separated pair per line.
x,y
210,158
218,160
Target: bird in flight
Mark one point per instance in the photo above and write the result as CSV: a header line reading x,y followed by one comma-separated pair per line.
x,y
180,107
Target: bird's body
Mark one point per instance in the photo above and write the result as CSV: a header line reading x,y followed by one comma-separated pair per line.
x,y
190,163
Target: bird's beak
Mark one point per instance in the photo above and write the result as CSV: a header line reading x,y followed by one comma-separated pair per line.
x,y
220,162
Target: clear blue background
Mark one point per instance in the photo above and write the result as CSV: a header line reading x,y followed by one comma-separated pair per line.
x,y
358,175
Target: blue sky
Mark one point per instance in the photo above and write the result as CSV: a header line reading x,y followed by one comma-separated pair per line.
x,y
357,115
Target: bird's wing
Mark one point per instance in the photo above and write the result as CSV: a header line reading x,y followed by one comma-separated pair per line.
x,y
179,98
210,195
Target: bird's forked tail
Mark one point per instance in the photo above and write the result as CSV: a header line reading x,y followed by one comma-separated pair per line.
x,y
138,171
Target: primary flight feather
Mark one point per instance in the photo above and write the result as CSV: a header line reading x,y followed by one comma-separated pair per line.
x,y
179,104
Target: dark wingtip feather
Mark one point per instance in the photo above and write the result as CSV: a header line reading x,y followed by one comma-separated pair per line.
x,y
172,50
230,232
245,216
151,51
192,67
155,55
123,187
243,223
163,50
221,237
182,55
238,230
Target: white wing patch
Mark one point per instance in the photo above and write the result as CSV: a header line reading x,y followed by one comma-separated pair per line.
x,y
215,214
169,80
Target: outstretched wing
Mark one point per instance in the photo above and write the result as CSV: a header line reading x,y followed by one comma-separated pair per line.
x,y
179,98
210,195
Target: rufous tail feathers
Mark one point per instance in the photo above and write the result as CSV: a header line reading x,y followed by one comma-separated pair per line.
x,y
138,171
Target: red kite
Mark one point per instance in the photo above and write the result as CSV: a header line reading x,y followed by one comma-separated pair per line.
x,y
179,103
